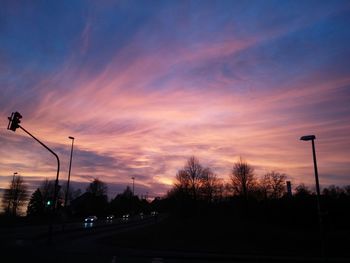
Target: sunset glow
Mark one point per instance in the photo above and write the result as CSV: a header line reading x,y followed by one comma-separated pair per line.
x,y
143,85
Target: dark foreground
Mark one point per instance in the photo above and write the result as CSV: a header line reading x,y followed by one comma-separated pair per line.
x,y
208,237
229,238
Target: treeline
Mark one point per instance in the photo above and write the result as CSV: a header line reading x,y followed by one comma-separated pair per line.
x,y
196,187
198,183
94,201
198,192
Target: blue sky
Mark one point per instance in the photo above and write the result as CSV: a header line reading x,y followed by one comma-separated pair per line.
x,y
143,85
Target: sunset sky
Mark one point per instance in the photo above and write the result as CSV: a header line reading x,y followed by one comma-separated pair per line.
x,y
144,85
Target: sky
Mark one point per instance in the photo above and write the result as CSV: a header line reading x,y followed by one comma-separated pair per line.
x,y
144,85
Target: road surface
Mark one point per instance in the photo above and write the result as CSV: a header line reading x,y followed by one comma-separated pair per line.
x,y
85,243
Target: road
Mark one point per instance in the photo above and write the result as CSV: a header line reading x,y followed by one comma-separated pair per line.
x,y
84,243
28,235
80,242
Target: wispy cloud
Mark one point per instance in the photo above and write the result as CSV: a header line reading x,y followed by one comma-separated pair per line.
x,y
142,95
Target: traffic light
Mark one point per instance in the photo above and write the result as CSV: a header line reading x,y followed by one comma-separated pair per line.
x,y
14,121
48,203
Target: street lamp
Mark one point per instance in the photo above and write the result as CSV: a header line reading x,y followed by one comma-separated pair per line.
x,y
70,166
312,139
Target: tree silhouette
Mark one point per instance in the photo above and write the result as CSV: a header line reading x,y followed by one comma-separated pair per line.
x,y
242,178
302,191
194,182
126,202
189,179
97,188
273,184
347,190
194,172
210,187
182,185
15,196
72,192
333,191
96,200
36,205
47,189
127,193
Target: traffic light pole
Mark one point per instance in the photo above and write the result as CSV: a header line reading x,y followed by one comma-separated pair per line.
x,y
56,182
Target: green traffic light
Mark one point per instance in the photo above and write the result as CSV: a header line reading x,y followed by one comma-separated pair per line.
x,y
48,202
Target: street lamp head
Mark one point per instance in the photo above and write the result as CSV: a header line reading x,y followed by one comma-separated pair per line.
x,y
70,137
308,138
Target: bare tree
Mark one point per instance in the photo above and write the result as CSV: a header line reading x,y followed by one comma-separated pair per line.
x,y
15,196
193,171
182,185
265,186
196,182
227,189
210,185
273,184
242,178
219,192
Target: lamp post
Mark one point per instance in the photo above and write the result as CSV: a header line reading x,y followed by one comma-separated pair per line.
x,y
70,166
312,139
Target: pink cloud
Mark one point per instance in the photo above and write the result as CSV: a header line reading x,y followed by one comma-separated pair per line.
x,y
149,129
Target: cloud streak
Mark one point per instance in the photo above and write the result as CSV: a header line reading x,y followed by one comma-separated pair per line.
x,y
218,87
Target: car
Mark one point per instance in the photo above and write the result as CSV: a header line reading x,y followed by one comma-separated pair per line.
x,y
110,217
154,213
90,219
125,217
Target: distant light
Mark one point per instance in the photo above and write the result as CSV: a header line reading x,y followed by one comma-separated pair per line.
x,y
308,137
